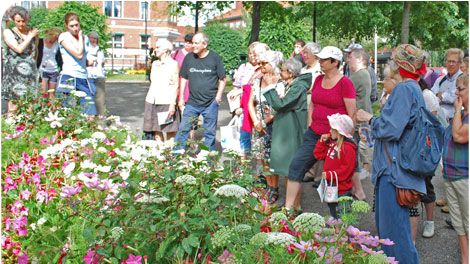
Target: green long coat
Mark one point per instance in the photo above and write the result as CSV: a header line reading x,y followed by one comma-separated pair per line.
x,y
290,122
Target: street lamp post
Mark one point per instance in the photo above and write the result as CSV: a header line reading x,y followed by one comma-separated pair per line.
x,y
147,75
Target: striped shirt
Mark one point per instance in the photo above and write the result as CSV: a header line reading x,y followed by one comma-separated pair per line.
x,y
455,156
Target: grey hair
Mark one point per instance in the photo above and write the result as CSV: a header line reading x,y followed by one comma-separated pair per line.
x,y
205,38
95,35
362,55
293,65
456,51
312,47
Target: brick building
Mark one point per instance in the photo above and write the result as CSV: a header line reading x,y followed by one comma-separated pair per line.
x,y
132,24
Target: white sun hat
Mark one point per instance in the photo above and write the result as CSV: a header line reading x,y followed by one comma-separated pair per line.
x,y
342,123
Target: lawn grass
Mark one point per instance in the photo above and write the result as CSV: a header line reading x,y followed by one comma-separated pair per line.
x,y
125,77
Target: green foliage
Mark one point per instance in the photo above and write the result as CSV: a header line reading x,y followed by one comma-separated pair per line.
x,y
38,16
227,42
90,20
280,27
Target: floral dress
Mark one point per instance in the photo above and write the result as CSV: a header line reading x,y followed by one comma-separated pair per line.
x,y
20,72
261,142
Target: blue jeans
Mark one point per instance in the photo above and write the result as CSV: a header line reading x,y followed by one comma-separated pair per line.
x,y
245,141
393,222
68,83
190,116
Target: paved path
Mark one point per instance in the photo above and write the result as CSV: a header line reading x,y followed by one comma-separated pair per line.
x,y
127,101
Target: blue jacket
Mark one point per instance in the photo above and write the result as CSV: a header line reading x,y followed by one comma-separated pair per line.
x,y
399,112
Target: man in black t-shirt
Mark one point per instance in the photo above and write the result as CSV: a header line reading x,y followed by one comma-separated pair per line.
x,y
205,72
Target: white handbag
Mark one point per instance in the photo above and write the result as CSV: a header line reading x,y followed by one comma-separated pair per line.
x,y
321,189
331,192
230,135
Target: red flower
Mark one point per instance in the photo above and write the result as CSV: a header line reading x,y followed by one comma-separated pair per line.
x,y
265,228
112,153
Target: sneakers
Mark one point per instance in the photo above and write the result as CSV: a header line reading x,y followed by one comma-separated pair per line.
x,y
441,201
445,209
428,229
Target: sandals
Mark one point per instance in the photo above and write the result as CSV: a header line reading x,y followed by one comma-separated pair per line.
x,y
273,195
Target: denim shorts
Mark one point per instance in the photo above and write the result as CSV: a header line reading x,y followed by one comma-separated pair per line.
x,y
52,77
245,141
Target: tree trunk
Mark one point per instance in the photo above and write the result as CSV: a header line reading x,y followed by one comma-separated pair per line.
x,y
314,22
405,24
255,21
196,17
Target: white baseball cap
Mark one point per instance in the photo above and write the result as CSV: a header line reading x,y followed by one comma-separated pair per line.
x,y
330,52
342,123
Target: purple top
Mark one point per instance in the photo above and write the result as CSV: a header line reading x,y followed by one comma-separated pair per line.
x,y
430,78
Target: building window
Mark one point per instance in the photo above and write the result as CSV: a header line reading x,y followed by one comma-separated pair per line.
x,y
117,43
144,41
144,9
113,8
33,4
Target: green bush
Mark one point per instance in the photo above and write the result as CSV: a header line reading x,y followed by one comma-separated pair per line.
x,y
227,42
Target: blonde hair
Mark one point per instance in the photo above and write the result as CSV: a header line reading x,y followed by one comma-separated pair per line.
x,y
464,79
339,142
53,32
455,51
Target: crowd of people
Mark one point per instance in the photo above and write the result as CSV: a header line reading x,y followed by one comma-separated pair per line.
x,y
60,63
314,106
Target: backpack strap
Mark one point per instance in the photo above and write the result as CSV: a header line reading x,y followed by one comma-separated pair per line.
x,y
443,80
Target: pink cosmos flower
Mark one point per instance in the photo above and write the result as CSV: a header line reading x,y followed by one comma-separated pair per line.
x,y
304,246
69,191
386,242
133,260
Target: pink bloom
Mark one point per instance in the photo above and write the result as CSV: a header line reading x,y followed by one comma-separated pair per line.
x,y
9,184
7,221
386,242
45,141
92,257
133,260
304,246
226,257
20,128
25,194
68,191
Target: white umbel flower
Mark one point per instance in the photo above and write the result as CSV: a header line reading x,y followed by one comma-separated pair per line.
x,y
308,222
185,180
98,135
280,238
276,217
231,190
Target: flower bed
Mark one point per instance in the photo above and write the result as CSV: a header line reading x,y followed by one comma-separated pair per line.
x,y
77,190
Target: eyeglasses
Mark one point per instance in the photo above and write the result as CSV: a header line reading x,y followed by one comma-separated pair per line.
x,y
452,62
263,63
460,88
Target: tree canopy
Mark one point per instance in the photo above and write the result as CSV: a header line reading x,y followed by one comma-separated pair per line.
x,y
90,19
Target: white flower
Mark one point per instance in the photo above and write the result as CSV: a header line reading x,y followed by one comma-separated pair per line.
x,y
102,150
41,221
78,93
138,153
103,168
276,217
143,184
53,117
124,174
33,226
53,229
152,198
68,169
98,135
88,164
78,131
185,180
147,143
280,238
231,190
308,222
